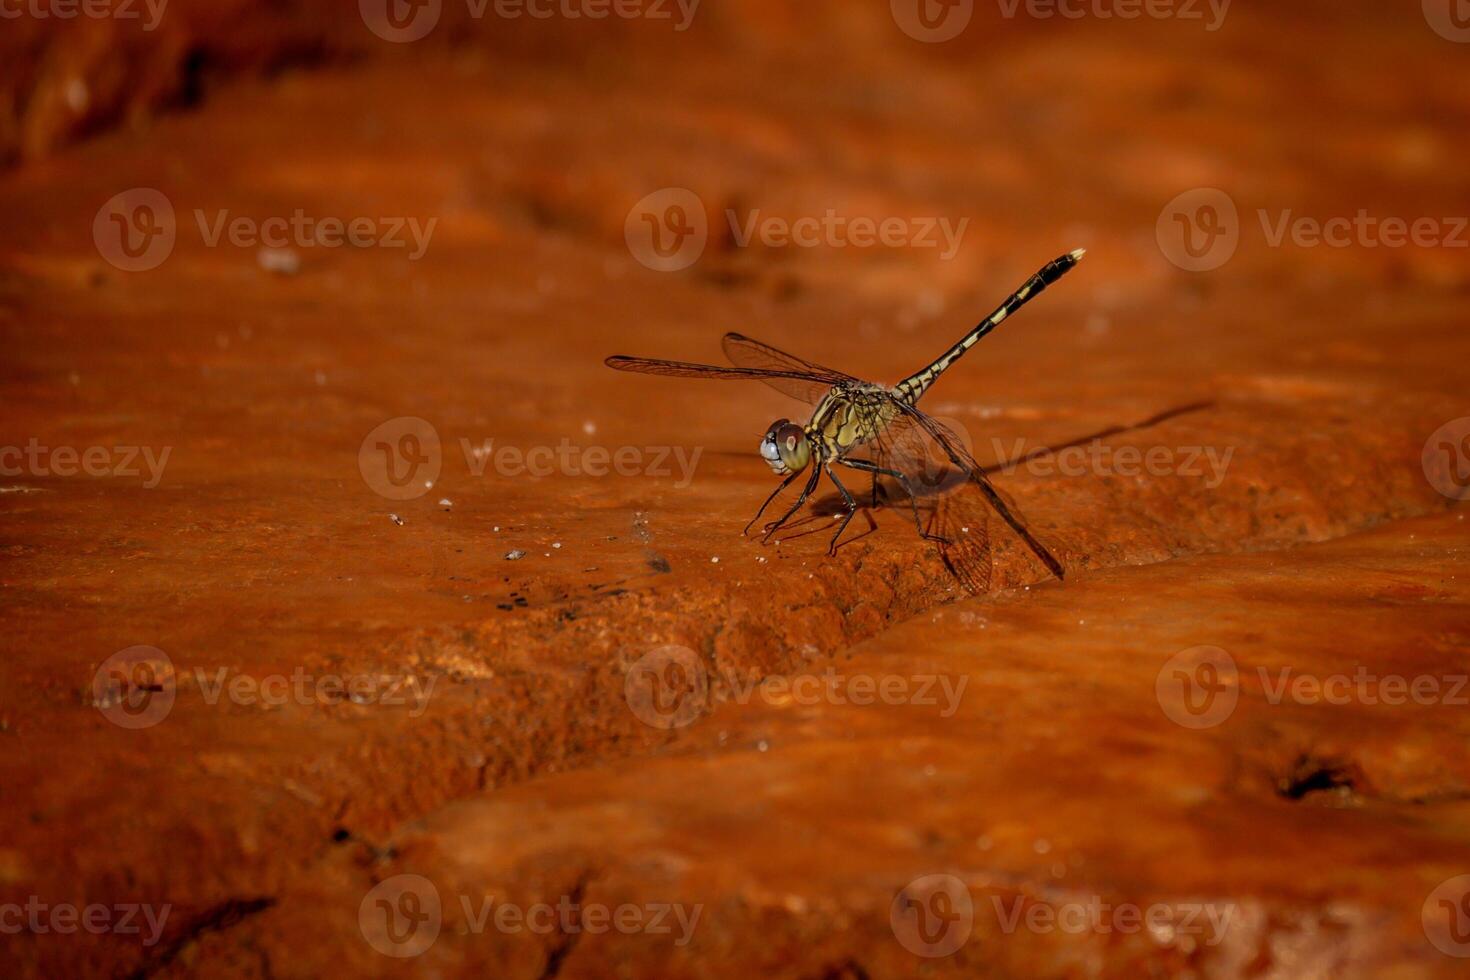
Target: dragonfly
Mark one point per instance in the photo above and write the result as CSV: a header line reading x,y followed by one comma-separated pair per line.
x,y
865,427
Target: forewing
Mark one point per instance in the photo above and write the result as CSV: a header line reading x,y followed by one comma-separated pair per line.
x,y
815,381
685,369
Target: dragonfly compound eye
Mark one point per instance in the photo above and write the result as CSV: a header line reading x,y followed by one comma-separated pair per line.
x,y
791,448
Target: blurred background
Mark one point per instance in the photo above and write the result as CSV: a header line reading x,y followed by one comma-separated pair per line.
x,y
304,307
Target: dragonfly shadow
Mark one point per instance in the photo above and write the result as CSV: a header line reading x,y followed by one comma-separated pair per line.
x,y
1112,430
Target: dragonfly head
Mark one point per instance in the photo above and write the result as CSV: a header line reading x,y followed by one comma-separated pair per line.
x,y
785,447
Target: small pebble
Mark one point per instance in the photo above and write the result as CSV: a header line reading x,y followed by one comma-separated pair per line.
x,y
716,559
515,555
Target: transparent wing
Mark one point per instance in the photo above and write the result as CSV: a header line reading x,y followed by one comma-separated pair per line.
x,y
943,475
685,369
746,352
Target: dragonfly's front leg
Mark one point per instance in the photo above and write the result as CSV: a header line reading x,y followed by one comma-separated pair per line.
x,y
851,507
774,494
806,491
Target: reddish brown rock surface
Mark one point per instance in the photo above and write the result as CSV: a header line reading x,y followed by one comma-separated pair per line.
x,y
263,554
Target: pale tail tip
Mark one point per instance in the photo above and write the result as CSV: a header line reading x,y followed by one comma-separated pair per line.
x,y
1077,254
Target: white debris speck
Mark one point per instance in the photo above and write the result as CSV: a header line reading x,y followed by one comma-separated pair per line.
x,y
445,502
715,559
497,529
589,427
515,555
965,529
762,745
77,96
556,544
281,261
396,519
761,559
428,484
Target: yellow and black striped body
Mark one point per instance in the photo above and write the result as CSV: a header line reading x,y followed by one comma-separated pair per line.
x,y
912,387
849,416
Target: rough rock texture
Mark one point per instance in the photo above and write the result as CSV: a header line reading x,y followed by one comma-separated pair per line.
x,y
264,552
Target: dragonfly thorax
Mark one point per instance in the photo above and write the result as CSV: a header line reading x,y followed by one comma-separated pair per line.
x,y
785,447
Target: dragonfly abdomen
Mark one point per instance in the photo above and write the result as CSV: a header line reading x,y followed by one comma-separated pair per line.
x,y
912,387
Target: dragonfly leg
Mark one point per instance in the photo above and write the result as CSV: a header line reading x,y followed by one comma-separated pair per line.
x,y
851,509
806,491
774,494
903,481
